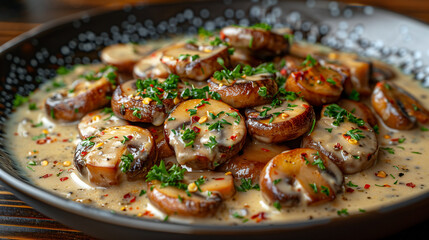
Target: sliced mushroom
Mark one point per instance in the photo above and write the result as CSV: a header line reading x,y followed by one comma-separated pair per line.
x,y
257,89
124,56
360,110
249,163
353,147
163,149
204,133
173,201
146,100
287,121
317,84
115,153
98,121
150,67
213,182
84,95
301,176
288,64
195,61
382,71
261,41
397,108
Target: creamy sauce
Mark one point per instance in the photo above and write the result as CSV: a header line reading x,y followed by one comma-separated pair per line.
x,y
44,149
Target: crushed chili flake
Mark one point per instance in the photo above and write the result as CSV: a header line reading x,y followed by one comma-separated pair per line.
x,y
219,178
133,199
46,175
283,72
350,190
233,137
130,137
128,195
41,141
338,147
65,140
152,130
347,137
196,129
265,150
411,185
195,119
233,109
64,179
306,106
367,186
84,153
303,156
259,217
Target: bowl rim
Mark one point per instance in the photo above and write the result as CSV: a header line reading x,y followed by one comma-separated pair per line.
x,y
105,216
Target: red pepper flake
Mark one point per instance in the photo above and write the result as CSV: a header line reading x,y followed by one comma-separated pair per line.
x,y
233,109
217,179
106,195
367,186
306,106
202,105
195,119
102,133
411,185
133,199
55,162
46,175
16,134
233,137
222,35
41,141
65,140
59,134
350,190
115,137
322,78
303,156
151,85
369,156
347,137
265,150
259,217
152,130
130,137
394,139
338,147
283,72
155,137
363,128
84,153
64,179
160,89
128,195
196,129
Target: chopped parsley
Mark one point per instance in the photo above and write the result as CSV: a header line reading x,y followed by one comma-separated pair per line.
x,y
188,136
350,184
218,125
262,91
389,150
309,61
171,177
331,81
340,115
277,205
246,185
343,212
355,134
325,190
212,142
19,100
263,26
236,116
156,90
87,142
314,187
126,161
354,95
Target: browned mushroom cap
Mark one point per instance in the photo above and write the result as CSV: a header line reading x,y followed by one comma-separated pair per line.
x,y
97,121
287,121
350,146
124,56
262,42
150,67
134,103
390,108
245,92
317,84
300,176
213,182
204,133
398,108
163,149
83,96
382,71
172,200
116,152
360,110
249,163
195,61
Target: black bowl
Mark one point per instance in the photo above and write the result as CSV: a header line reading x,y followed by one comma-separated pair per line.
x,y
33,57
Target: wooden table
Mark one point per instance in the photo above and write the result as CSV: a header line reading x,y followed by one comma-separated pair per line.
x,y
20,221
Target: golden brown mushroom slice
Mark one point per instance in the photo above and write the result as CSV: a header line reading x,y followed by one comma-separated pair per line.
x,y
98,121
301,176
146,100
397,108
348,141
247,91
150,67
124,56
249,162
195,61
86,94
280,121
317,84
114,154
257,38
360,110
211,182
172,201
204,133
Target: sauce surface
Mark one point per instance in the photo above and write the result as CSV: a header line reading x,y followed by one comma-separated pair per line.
x,y
45,148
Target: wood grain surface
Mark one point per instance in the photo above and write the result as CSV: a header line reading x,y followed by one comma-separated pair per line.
x,y
20,221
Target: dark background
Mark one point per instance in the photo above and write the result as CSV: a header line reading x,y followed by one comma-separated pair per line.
x,y
19,221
